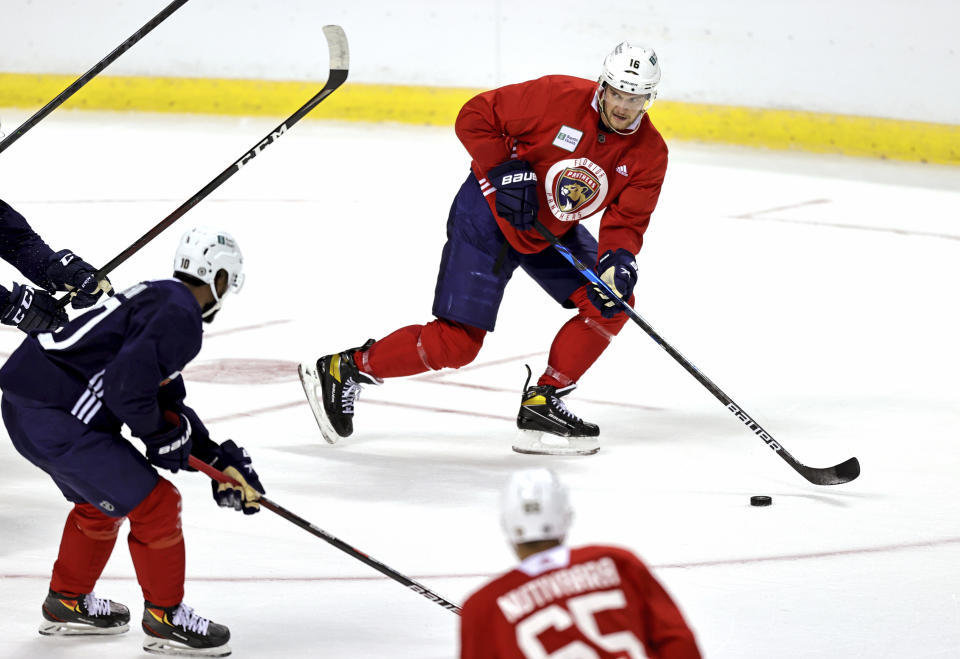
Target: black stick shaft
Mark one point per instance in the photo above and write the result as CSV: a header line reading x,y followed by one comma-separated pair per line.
x,y
339,68
416,587
337,77
841,473
92,73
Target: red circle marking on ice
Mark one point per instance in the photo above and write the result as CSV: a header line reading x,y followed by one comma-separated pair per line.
x,y
242,371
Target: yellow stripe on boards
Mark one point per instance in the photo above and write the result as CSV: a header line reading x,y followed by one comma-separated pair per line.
x,y
438,106
353,102
809,131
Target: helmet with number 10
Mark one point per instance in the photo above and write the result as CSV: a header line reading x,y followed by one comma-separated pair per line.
x,y
201,255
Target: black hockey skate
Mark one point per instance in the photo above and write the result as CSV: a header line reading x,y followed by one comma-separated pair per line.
x,y
83,615
332,388
548,427
178,630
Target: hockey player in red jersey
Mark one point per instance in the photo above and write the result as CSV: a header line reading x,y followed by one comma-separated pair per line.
x,y
557,150
593,602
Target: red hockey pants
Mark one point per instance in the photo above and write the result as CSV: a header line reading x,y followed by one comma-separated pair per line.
x,y
446,344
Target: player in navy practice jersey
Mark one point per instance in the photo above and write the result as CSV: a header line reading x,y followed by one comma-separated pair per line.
x,y
593,602
556,150
33,309
66,395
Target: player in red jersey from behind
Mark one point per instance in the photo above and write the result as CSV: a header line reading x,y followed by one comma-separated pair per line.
x,y
592,602
556,150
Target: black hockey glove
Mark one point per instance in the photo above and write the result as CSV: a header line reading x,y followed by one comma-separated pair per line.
x,y
618,270
32,310
516,195
169,447
67,272
235,462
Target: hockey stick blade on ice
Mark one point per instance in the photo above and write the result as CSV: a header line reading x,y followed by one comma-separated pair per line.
x,y
75,86
418,588
836,475
339,67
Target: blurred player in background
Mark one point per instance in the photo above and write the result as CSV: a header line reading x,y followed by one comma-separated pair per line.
x,y
556,150
32,309
592,602
66,396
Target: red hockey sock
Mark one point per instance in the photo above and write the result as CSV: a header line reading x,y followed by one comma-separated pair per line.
x,y
88,539
580,342
417,348
156,545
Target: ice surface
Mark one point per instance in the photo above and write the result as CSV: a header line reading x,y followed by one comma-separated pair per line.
x,y
819,293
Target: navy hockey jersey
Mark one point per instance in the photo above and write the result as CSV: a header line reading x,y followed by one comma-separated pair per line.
x,y
119,362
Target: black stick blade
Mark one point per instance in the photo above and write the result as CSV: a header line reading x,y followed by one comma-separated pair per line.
x,y
836,475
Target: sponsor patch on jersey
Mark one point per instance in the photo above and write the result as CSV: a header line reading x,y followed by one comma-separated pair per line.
x,y
575,188
568,138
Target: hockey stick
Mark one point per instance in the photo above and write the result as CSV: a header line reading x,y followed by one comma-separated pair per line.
x,y
218,475
339,67
841,473
91,74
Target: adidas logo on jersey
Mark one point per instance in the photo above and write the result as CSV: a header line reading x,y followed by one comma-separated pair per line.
x,y
622,170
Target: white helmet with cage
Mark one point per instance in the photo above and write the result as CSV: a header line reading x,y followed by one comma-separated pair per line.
x,y
535,506
202,253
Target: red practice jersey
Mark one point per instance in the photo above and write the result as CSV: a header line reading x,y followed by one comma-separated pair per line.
x,y
554,124
593,602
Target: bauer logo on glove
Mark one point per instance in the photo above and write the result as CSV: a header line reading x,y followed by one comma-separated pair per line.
x,y
516,193
519,177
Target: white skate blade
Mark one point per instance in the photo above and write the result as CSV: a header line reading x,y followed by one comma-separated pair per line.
x,y
310,380
51,628
172,648
533,442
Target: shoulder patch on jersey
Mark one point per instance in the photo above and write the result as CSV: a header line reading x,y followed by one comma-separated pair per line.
x,y
575,188
134,290
568,138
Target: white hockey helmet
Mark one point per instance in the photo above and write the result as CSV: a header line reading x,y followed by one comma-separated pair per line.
x,y
633,69
202,253
535,506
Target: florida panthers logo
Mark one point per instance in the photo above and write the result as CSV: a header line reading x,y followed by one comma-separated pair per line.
x,y
575,188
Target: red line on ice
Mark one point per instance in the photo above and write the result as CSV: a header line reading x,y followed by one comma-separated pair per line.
x,y
923,544
410,406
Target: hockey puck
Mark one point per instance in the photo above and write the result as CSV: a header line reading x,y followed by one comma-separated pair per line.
x,y
760,500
